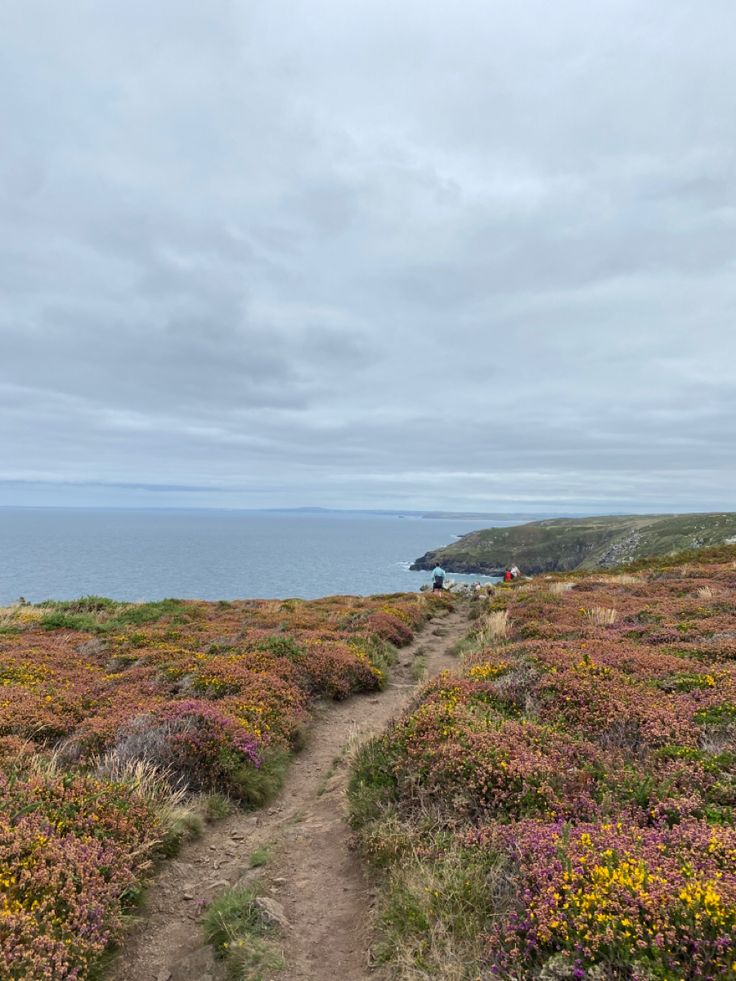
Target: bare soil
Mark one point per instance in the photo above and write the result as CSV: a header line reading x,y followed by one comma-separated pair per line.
x,y
312,871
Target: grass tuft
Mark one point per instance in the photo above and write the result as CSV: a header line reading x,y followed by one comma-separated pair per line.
x,y
240,935
372,784
256,787
602,616
259,857
436,909
217,807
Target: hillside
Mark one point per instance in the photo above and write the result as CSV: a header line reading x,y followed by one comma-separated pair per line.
x,y
562,805
565,544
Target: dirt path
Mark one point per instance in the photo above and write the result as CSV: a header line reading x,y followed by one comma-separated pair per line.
x,y
312,872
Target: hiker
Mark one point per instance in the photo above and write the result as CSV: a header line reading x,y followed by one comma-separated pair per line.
x,y
515,571
507,577
438,578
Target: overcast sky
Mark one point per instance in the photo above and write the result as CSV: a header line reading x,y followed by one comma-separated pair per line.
x,y
476,255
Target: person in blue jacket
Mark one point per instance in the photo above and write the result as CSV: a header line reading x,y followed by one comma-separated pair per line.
x,y
438,577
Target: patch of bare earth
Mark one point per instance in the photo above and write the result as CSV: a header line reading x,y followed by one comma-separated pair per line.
x,y
313,873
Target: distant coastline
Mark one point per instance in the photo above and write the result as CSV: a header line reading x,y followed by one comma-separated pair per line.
x,y
303,511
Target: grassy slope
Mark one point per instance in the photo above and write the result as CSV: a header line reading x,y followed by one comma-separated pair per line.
x,y
564,544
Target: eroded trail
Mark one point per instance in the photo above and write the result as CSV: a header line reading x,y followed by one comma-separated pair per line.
x,y
313,874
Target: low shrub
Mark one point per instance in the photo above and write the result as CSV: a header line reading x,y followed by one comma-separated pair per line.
x,y
656,902
113,715
588,755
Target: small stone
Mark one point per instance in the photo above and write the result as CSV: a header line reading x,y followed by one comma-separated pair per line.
x,y
188,892
272,912
164,974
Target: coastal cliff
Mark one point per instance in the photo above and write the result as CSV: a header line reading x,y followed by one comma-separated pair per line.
x,y
566,544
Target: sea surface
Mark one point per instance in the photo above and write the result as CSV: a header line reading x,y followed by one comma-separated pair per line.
x,y
58,553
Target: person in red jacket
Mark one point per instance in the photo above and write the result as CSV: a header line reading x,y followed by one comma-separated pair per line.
x,y
507,577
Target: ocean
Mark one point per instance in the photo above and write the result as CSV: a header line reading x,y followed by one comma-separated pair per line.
x,y
146,555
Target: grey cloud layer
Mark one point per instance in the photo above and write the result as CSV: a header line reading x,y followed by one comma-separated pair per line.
x,y
367,253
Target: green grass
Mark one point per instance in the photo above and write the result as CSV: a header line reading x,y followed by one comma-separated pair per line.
x,y
61,620
142,613
466,645
282,645
237,930
98,614
217,806
85,604
382,655
182,826
256,787
372,785
419,665
259,857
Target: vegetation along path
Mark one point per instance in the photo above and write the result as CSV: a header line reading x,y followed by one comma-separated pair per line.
x,y
311,879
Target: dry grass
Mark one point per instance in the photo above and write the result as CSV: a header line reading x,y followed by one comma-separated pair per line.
x,y
434,913
18,615
558,588
705,593
180,816
494,627
144,779
602,616
622,579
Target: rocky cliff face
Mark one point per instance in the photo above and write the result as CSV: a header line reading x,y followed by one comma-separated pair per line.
x,y
565,544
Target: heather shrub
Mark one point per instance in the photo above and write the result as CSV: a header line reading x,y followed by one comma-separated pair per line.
x,y
459,755
197,744
71,847
389,627
113,715
64,909
590,755
653,902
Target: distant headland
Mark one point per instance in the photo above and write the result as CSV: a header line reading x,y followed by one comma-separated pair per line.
x,y
566,544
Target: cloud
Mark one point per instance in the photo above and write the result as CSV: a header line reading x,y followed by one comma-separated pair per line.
x,y
301,253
